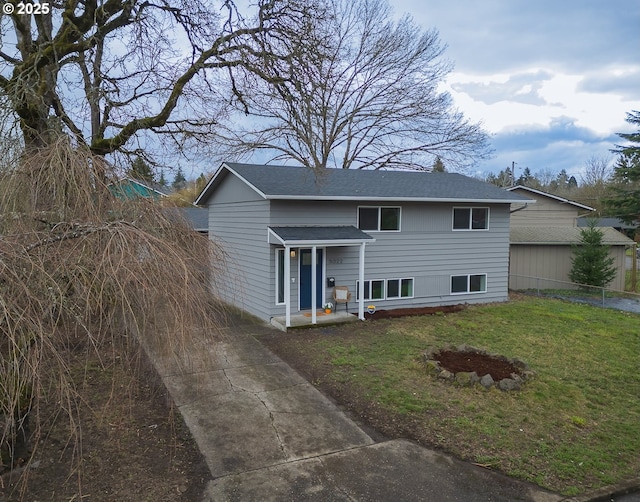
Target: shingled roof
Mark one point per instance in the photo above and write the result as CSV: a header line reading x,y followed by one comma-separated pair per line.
x,y
562,236
288,182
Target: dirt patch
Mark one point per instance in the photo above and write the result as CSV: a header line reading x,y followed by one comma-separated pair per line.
x,y
133,443
482,364
393,313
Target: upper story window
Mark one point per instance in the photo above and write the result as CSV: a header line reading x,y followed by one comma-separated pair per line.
x,y
470,218
379,219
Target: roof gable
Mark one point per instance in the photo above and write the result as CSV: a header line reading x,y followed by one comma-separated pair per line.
x,y
288,182
562,200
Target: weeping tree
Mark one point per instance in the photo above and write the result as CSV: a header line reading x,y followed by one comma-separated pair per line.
x,y
81,270
81,85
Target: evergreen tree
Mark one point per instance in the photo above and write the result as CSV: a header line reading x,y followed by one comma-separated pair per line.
x,y
140,170
625,203
162,181
438,166
560,183
179,181
201,182
591,263
503,179
527,179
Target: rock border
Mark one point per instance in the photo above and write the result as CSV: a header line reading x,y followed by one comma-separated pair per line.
x,y
469,379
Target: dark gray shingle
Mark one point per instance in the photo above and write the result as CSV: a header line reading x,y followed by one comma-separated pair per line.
x,y
333,233
299,182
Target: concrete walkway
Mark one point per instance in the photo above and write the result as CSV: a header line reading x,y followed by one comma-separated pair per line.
x,y
269,435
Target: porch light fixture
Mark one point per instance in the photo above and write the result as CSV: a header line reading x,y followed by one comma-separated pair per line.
x,y
292,253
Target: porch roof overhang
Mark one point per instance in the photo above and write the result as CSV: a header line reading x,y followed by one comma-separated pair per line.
x,y
318,236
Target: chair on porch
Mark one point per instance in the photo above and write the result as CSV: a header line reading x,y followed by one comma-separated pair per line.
x,y
341,294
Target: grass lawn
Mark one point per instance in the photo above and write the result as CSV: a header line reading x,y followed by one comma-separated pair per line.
x,y
574,428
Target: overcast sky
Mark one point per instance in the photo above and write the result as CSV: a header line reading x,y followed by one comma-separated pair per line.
x,y
551,80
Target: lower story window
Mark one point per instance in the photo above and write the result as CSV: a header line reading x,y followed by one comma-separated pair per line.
x,y
400,288
476,283
373,290
381,289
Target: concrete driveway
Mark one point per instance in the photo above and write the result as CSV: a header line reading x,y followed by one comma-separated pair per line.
x,y
269,435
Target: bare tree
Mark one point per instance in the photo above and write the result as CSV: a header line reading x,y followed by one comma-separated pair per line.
x,y
546,177
362,91
595,182
107,71
597,171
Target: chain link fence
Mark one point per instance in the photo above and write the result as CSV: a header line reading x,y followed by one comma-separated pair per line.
x,y
573,291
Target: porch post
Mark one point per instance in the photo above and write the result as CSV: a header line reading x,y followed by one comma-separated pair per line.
x,y
287,285
361,284
314,273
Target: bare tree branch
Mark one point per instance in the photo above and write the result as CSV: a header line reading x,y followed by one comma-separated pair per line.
x,y
358,91
129,63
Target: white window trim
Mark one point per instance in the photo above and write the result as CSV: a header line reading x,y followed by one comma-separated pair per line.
x,y
400,279
384,289
469,229
278,251
468,292
379,208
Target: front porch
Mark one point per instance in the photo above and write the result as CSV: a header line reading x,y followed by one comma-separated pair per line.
x,y
305,321
307,246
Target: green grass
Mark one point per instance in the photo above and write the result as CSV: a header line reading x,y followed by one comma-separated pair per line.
x,y
574,428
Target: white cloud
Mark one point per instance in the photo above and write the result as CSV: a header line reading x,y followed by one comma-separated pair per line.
x,y
497,101
549,70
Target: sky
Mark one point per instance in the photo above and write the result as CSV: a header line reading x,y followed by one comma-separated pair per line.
x,y
551,81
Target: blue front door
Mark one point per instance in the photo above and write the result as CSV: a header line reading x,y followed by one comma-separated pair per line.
x,y
305,279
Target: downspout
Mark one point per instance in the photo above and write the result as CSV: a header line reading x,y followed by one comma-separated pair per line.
x,y
519,209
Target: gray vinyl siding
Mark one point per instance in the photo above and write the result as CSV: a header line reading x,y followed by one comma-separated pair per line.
x,y
238,220
312,213
426,249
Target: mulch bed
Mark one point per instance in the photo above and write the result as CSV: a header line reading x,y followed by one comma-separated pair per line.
x,y
482,364
388,314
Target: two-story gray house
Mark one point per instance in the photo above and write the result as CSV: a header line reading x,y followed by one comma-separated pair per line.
x,y
394,238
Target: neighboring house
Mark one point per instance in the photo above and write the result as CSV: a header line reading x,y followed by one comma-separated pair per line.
x,y
542,235
625,228
394,238
130,188
548,209
197,217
